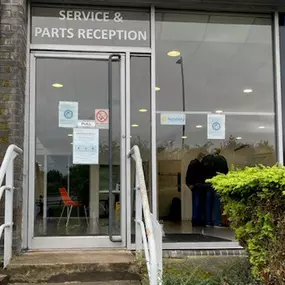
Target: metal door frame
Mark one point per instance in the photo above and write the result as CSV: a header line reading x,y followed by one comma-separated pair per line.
x,y
61,242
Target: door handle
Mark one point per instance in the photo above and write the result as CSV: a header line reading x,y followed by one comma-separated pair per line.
x,y
110,143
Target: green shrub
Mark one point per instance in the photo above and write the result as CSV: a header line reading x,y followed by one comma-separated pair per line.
x,y
254,201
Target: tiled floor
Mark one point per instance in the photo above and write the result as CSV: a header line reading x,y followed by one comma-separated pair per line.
x,y
185,227
79,227
76,227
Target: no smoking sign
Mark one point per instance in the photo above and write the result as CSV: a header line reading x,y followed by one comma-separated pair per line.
x,y
102,118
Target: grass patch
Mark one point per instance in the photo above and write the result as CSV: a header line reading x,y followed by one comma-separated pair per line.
x,y
205,271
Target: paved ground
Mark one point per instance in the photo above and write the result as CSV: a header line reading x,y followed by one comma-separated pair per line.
x,y
73,257
89,283
70,267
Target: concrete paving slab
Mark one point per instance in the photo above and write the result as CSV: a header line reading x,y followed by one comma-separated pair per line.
x,y
122,282
73,257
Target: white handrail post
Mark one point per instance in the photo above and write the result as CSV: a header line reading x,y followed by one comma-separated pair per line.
x,y
8,233
158,242
150,232
138,216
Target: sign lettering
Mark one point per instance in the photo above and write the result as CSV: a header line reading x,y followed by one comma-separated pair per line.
x,y
85,27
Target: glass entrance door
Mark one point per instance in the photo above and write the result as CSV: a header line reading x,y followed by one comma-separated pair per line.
x,y
77,151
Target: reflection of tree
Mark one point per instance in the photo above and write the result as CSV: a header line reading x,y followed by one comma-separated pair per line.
x,y
242,154
104,152
144,147
55,180
169,151
79,182
231,143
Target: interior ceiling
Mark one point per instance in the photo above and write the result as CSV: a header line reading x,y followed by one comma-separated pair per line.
x,y
219,5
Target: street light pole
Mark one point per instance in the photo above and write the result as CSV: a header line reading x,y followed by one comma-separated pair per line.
x,y
180,61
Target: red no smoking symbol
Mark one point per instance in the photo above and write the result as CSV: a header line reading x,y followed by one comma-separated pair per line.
x,y
102,116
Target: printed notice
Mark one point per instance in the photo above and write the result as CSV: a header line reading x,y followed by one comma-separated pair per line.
x,y
172,119
85,146
67,114
86,124
216,127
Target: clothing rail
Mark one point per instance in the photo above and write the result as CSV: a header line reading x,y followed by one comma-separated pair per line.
x,y
7,168
149,231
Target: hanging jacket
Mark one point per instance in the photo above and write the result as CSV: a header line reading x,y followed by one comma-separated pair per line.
x,y
195,173
221,165
214,164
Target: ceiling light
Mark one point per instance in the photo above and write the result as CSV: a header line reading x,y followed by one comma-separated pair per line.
x,y
57,85
247,91
261,127
219,111
157,88
239,138
142,110
173,53
199,127
70,135
135,125
184,137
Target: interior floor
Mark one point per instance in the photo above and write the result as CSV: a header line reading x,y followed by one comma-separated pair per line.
x,y
173,232
185,228
76,227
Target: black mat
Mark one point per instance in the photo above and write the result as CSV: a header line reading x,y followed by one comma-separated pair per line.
x,y
191,238
169,238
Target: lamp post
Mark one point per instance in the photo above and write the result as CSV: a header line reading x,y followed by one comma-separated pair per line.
x,y
180,61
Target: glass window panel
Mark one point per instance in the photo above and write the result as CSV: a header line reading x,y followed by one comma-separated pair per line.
x,y
209,64
85,82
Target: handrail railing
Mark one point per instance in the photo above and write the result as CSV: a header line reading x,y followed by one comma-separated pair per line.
x,y
7,169
151,232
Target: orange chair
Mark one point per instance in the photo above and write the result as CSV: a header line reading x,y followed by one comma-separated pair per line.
x,y
68,203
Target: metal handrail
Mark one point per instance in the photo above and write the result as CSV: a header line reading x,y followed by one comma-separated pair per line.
x,y
151,246
11,153
7,169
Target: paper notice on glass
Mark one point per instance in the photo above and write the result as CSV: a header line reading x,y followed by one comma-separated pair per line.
x,y
85,146
67,114
216,127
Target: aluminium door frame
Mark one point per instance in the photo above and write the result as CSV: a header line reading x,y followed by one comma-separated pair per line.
x,y
61,242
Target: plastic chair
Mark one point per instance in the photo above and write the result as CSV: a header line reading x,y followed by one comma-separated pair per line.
x,y
69,204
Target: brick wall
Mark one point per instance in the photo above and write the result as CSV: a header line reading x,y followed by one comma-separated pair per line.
x,y
13,26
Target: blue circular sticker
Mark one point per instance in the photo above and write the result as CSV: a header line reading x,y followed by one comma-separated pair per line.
x,y
68,114
216,126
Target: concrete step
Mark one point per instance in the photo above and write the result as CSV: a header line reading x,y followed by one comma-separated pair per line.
x,y
115,282
74,266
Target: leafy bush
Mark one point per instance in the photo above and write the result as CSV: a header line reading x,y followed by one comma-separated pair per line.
x,y
254,201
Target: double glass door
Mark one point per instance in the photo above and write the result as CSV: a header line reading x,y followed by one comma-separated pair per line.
x,y
77,175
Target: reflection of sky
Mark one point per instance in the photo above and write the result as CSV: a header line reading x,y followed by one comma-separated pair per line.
x,y
222,56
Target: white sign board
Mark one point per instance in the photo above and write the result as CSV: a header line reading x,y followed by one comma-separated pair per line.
x,y
173,119
102,118
85,146
67,114
86,124
216,127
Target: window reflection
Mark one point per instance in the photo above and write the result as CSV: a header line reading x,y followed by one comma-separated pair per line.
x,y
210,64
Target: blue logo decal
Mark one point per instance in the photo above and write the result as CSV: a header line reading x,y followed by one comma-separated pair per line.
x,y
216,126
68,114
